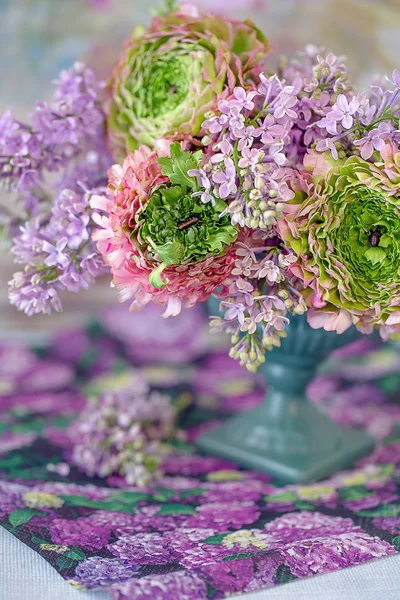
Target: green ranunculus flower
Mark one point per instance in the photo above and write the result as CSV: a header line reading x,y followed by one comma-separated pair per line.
x,y
175,227
170,75
346,235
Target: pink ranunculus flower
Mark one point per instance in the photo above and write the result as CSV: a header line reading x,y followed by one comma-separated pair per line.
x,y
142,234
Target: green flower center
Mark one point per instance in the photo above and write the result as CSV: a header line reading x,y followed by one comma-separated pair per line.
x,y
165,85
367,240
176,228
374,237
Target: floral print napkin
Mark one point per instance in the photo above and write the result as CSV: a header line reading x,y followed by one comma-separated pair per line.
x,y
206,529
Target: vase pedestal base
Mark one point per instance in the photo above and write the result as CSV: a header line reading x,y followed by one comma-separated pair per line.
x,y
297,445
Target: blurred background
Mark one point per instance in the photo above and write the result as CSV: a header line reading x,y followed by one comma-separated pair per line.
x,y
41,37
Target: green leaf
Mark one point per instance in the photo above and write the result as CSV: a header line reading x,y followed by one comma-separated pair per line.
x,y
284,575
241,555
130,497
384,510
38,540
111,505
155,277
211,590
303,505
76,553
390,384
88,359
394,437
396,542
354,492
189,493
11,461
288,496
35,425
20,516
177,166
163,495
215,540
176,509
63,562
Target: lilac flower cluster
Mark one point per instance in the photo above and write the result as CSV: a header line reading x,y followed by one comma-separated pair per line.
x,y
82,532
96,572
257,299
180,584
143,549
251,135
366,122
58,133
58,255
261,142
52,167
323,555
122,433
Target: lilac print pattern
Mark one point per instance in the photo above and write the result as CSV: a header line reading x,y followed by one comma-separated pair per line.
x,y
204,529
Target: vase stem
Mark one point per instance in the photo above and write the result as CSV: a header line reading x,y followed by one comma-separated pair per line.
x,y
286,435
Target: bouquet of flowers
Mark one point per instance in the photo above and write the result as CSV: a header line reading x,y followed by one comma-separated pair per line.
x,y
196,171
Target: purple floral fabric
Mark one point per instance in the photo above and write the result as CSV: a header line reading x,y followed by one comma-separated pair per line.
x,y
205,529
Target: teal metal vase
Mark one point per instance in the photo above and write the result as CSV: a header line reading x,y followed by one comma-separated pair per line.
x,y
286,436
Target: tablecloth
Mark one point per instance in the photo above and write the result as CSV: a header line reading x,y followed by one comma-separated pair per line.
x,y
205,529
24,575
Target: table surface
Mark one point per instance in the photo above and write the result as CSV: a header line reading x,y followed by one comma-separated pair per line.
x,y
24,575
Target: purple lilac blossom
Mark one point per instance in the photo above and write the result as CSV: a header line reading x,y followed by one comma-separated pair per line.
x,y
194,555
143,549
174,341
178,483
44,402
122,433
193,466
180,584
147,520
224,516
97,572
189,545
89,491
52,228
265,571
243,575
390,524
305,525
11,497
117,520
234,491
13,441
47,375
70,345
80,532
229,577
372,500
338,551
